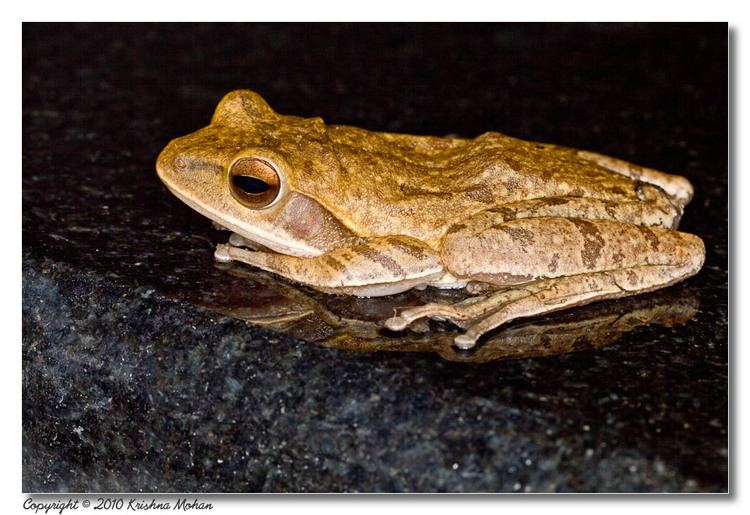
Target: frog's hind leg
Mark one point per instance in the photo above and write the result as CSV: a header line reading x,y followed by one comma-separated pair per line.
x,y
462,313
676,186
547,264
551,295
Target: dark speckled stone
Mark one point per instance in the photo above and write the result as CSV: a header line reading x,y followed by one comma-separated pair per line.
x,y
130,385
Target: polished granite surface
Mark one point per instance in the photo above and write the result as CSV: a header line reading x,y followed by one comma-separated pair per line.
x,y
148,367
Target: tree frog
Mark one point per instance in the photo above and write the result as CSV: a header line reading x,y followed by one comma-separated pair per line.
x,y
527,228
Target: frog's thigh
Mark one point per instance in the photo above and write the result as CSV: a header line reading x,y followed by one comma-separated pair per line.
x,y
376,267
529,249
547,264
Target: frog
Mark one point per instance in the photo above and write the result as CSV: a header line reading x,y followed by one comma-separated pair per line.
x,y
524,228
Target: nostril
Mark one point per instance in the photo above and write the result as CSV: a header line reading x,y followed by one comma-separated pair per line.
x,y
180,163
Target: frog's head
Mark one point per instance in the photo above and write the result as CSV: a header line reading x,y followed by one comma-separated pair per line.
x,y
242,171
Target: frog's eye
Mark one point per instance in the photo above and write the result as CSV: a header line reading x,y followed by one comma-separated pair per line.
x,y
254,182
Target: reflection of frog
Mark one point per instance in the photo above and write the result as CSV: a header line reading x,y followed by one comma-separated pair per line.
x,y
354,212
349,324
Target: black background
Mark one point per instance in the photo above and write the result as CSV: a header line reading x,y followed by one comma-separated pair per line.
x,y
129,387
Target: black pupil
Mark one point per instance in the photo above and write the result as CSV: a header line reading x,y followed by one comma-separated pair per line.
x,y
250,185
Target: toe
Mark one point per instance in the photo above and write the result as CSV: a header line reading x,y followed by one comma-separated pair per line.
x,y
222,253
396,323
236,240
465,341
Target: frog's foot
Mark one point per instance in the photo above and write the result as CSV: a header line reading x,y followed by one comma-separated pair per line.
x,y
677,187
544,296
221,254
460,313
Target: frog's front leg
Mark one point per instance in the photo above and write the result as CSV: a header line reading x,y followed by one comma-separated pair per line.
x,y
376,267
237,240
547,264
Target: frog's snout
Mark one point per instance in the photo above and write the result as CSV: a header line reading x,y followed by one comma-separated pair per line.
x,y
167,163
170,165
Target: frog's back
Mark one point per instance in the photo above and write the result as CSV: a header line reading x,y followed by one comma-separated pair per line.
x,y
424,184
492,167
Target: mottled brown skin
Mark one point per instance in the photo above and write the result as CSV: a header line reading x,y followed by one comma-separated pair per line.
x,y
368,213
